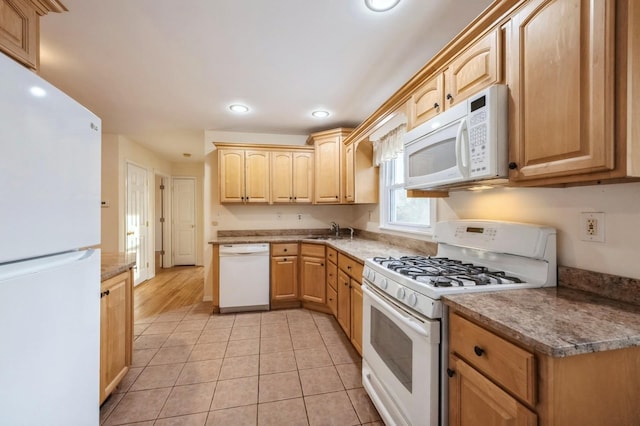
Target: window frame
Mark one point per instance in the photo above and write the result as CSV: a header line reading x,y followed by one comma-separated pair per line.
x,y
386,189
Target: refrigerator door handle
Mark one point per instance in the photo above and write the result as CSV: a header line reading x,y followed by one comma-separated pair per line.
x,y
39,264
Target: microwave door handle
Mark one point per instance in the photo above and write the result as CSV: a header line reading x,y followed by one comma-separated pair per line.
x,y
462,158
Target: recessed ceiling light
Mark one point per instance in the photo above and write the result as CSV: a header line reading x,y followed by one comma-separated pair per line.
x,y
320,114
38,92
381,5
239,108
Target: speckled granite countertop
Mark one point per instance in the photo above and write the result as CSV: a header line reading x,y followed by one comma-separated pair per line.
x,y
554,321
112,264
359,248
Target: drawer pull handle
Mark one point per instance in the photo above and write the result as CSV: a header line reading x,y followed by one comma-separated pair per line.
x,y
451,372
478,350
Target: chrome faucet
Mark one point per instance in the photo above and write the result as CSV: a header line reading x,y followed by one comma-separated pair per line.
x,y
335,227
352,232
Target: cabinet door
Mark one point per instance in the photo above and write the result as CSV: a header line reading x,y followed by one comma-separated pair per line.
x,y
561,76
19,31
349,173
257,177
473,70
302,177
327,170
284,278
356,315
281,177
231,175
473,397
113,333
312,276
344,301
427,101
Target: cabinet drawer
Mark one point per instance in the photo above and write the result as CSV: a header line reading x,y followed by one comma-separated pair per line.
x,y
332,255
332,300
503,362
288,249
332,275
312,250
351,266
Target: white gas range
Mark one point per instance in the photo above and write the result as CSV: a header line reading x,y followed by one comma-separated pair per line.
x,y
403,318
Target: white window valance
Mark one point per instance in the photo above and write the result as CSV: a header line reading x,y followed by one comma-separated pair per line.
x,y
389,146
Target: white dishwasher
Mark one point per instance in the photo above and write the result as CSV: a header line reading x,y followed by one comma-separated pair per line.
x,y
244,277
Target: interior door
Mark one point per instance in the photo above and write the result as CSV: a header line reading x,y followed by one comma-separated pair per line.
x,y
184,221
137,224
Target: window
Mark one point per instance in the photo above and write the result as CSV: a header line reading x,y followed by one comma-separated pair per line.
x,y
397,212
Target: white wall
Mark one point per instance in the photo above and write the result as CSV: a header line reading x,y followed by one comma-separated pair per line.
x,y
110,193
560,208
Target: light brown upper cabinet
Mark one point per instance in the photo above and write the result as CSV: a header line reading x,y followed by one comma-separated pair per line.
x,y
20,28
243,175
360,175
292,176
328,145
470,71
561,70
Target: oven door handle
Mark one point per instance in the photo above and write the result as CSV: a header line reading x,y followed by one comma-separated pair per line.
x,y
400,315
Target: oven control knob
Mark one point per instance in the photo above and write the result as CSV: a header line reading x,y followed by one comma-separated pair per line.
x,y
372,276
384,284
400,293
413,299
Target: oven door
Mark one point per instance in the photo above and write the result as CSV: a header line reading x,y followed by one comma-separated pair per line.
x,y
400,367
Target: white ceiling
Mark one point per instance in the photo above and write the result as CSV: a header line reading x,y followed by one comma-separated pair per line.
x,y
164,71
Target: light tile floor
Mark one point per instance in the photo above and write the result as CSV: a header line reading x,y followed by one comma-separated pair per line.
x,y
290,367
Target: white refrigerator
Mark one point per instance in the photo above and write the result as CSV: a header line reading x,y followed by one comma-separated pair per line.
x,y
49,279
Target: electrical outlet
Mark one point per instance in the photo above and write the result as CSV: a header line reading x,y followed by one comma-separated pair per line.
x,y
299,216
279,216
592,226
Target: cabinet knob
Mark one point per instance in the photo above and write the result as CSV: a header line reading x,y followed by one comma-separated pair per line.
x,y
285,259
436,106
349,267
337,197
449,97
285,250
295,198
451,372
322,264
513,166
478,350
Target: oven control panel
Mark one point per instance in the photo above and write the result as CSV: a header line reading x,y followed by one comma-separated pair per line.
x,y
403,295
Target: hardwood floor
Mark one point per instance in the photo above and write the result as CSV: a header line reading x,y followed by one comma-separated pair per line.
x,y
171,288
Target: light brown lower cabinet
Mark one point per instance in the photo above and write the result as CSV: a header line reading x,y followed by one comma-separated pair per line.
x,y
494,381
474,399
312,273
344,302
284,275
116,331
349,313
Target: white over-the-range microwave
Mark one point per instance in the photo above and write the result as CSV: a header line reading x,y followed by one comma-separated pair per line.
x,y
463,146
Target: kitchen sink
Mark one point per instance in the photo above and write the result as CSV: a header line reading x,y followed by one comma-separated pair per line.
x,y
324,237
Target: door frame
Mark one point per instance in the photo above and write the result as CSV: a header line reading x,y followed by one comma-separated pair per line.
x,y
167,258
146,200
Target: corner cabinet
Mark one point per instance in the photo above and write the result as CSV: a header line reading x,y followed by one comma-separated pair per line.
x,y
116,331
561,73
360,176
328,165
20,28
